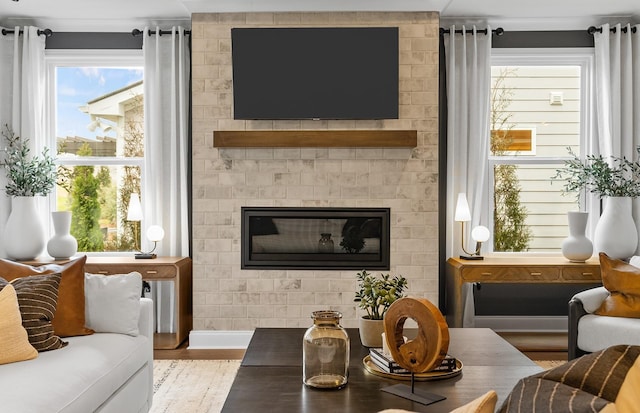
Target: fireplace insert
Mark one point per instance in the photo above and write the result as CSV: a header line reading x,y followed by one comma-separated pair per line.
x,y
315,238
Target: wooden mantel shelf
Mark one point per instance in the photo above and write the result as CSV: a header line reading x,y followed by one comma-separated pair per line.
x,y
316,138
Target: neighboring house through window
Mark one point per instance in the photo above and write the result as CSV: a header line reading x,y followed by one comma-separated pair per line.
x,y
96,121
540,101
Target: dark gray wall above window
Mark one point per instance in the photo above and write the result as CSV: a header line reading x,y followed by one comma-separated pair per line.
x,y
569,38
103,40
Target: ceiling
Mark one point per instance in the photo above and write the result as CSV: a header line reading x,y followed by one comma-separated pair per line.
x,y
124,15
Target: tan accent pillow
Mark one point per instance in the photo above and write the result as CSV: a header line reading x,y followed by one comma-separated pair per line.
x,y
69,319
628,398
483,404
37,298
622,280
14,342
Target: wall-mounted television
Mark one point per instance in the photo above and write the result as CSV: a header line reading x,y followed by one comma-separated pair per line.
x,y
315,73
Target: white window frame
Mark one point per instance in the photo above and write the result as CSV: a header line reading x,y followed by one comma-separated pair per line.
x,y
582,57
86,58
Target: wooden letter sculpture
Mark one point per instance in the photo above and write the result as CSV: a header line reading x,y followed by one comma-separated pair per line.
x,y
423,353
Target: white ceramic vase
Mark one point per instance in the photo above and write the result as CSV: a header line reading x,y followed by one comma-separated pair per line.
x,y
24,237
62,245
371,332
577,247
616,234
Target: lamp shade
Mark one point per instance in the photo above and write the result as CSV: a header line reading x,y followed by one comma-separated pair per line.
x,y
480,233
134,212
462,212
155,233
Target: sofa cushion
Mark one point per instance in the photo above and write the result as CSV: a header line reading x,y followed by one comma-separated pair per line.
x,y
78,378
69,319
112,302
623,282
37,298
598,382
14,341
596,333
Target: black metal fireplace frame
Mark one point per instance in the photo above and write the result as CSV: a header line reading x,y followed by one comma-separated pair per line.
x,y
316,261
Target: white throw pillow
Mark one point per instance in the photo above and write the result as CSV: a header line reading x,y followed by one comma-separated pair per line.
x,y
112,302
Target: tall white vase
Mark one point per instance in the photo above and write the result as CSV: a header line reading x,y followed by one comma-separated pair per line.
x,y
62,245
24,237
616,234
577,247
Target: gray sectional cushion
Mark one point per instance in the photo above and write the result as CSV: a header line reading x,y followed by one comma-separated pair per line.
x,y
76,378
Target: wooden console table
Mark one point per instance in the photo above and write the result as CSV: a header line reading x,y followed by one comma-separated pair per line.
x,y
522,270
176,269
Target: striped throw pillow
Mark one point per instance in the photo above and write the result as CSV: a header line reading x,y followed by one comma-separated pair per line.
x,y
37,299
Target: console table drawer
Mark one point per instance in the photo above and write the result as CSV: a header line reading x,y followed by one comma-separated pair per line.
x,y
147,272
510,273
581,273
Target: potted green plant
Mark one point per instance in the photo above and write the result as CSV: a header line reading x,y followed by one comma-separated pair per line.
x,y
616,177
617,181
375,295
27,177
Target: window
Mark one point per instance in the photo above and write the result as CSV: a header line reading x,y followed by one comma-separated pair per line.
x,y
539,101
97,119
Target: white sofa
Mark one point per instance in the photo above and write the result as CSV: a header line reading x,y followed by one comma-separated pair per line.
x,y
589,332
102,372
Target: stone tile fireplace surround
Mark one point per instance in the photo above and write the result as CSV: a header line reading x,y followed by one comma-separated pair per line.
x,y
228,298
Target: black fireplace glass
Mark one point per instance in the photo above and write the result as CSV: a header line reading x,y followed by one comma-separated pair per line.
x,y
315,238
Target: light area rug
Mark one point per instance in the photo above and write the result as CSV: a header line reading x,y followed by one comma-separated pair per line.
x,y
194,386
201,386
549,364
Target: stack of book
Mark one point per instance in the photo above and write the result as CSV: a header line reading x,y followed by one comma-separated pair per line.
x,y
386,363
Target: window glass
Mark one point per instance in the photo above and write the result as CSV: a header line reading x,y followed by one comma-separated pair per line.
x,y
99,129
536,115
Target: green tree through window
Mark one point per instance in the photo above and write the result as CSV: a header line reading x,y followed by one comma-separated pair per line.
x,y
85,205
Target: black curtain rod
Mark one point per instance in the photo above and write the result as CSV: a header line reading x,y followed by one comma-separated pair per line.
x,y
593,29
138,32
498,32
46,32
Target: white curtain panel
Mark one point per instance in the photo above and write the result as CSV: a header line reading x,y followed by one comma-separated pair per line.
x,y
468,70
617,103
166,112
22,86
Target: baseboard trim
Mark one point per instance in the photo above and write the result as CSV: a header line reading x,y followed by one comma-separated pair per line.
x,y
523,323
210,339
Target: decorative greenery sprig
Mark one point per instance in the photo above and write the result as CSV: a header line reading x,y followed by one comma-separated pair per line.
x,y
26,175
375,295
619,178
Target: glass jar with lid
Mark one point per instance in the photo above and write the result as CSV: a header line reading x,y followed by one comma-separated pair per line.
x,y
325,352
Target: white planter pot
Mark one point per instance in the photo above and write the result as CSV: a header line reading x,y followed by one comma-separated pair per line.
x,y
577,247
24,237
62,245
616,234
371,332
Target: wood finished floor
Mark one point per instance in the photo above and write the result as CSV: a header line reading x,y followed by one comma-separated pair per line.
x,y
536,346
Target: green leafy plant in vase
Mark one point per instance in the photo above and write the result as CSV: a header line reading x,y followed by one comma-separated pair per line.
x,y
27,177
617,179
374,295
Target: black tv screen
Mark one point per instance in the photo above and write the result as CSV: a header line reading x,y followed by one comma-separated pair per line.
x,y
315,73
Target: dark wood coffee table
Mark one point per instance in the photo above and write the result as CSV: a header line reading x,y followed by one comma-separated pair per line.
x,y
270,376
